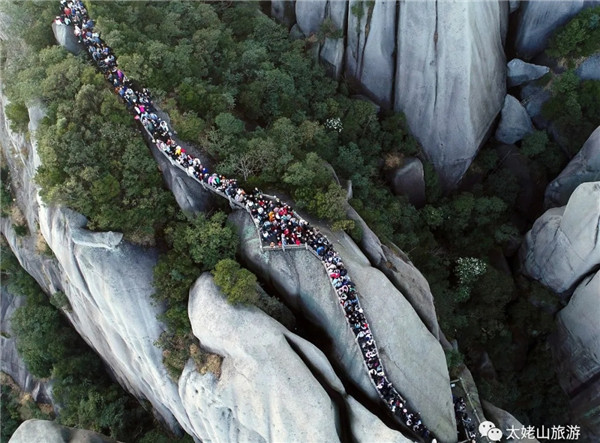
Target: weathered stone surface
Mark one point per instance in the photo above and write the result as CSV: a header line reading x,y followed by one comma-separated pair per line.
x,y
109,283
440,63
539,19
590,68
332,56
409,180
11,362
366,427
520,72
514,5
514,122
401,272
450,77
584,167
504,421
283,402
64,37
533,98
283,10
576,349
189,194
370,48
43,431
564,243
408,351
309,15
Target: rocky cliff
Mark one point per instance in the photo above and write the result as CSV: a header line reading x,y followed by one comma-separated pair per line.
x,y
109,282
576,349
563,245
10,361
538,19
413,358
441,63
584,167
44,431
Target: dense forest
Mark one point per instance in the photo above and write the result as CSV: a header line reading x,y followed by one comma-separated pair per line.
x,y
254,100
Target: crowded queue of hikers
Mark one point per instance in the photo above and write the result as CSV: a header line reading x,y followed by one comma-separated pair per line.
x,y
278,224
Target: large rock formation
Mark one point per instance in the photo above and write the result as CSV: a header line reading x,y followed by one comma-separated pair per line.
x,y
563,245
284,401
533,98
514,122
450,77
401,272
441,63
109,282
10,361
520,72
576,349
65,37
408,351
590,68
43,431
539,19
409,180
584,167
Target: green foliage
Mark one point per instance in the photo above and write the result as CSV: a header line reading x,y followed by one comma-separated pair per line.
x,y
10,416
574,108
454,359
18,115
60,301
92,157
41,338
328,29
580,37
6,197
238,284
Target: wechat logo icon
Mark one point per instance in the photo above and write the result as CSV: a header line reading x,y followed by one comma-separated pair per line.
x,y
489,430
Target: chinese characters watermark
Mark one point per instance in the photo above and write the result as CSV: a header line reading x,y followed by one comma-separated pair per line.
x,y
558,433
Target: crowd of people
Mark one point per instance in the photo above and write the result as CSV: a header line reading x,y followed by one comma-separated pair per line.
x,y
278,224
460,411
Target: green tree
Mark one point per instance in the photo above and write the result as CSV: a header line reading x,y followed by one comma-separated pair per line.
x,y
238,284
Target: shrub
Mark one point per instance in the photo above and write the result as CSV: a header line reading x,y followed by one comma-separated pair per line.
x,y
238,284
578,38
18,115
61,301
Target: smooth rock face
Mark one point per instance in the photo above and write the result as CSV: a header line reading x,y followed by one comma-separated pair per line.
x,y
503,420
533,98
576,349
309,15
189,194
409,180
540,18
65,38
590,68
520,72
11,362
514,122
413,358
450,77
441,63
44,431
283,11
109,283
370,48
283,401
584,167
564,243
401,272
